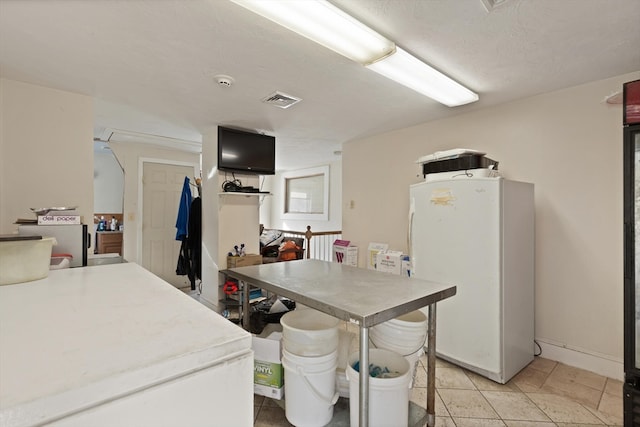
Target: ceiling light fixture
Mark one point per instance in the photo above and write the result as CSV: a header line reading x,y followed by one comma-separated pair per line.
x,y
325,24
409,71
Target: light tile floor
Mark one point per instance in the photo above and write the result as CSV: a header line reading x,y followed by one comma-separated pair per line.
x,y
545,393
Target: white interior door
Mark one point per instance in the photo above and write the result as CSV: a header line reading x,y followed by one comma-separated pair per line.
x,y
162,188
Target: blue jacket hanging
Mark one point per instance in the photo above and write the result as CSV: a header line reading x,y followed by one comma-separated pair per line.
x,y
182,223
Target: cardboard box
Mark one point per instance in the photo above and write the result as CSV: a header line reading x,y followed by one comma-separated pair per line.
x,y
243,261
389,262
374,250
345,254
405,269
268,373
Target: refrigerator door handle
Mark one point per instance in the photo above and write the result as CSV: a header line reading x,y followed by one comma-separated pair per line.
x,y
412,211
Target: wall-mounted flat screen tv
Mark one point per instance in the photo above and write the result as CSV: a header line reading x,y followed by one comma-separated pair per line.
x,y
246,152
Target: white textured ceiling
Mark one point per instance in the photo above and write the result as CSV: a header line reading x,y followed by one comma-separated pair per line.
x,y
149,63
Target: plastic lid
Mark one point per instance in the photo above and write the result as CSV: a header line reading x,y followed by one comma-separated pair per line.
x,y
62,256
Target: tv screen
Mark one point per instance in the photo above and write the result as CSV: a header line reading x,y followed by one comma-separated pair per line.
x,y
246,152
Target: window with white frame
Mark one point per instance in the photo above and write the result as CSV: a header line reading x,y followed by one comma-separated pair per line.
x,y
306,194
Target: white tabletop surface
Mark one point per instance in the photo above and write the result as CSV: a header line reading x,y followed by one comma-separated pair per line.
x,y
88,335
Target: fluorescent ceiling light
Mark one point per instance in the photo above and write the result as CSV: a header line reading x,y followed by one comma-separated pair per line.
x,y
329,26
325,24
409,71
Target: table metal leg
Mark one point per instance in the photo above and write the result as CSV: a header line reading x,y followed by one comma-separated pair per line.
x,y
246,307
364,377
431,366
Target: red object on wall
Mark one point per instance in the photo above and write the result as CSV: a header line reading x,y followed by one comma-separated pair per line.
x,y
631,102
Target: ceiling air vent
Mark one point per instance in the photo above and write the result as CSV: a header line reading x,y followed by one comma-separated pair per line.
x,y
281,100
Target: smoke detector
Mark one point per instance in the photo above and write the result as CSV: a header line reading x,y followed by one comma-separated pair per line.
x,y
281,100
223,80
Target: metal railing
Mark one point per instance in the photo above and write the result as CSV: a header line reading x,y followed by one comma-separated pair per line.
x,y
318,245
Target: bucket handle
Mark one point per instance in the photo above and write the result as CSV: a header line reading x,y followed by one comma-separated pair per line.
x,y
300,371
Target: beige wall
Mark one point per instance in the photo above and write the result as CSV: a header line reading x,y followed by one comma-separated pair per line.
x,y
569,144
129,155
46,151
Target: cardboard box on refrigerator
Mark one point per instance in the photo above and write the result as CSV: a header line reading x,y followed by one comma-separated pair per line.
x,y
268,373
344,253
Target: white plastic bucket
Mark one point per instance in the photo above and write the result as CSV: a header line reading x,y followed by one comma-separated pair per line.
x,y
310,387
388,397
307,332
405,334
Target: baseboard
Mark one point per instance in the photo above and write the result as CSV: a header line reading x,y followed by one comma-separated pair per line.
x,y
583,359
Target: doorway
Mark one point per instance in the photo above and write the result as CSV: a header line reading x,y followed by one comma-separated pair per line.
x,y
108,202
161,191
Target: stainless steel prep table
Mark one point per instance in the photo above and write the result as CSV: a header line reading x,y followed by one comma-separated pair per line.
x,y
361,296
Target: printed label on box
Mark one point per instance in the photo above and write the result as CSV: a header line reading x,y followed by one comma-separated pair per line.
x,y
58,219
268,373
389,262
347,255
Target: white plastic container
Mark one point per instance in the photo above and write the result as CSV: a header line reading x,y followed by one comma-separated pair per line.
x,y
310,388
405,334
308,332
60,261
25,260
388,397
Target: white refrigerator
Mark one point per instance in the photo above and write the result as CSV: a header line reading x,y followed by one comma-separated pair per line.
x,y
478,234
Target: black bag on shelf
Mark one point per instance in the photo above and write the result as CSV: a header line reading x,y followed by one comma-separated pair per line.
x,y
260,316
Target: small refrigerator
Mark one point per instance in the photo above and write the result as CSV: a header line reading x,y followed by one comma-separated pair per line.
x,y
631,173
478,234
71,239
